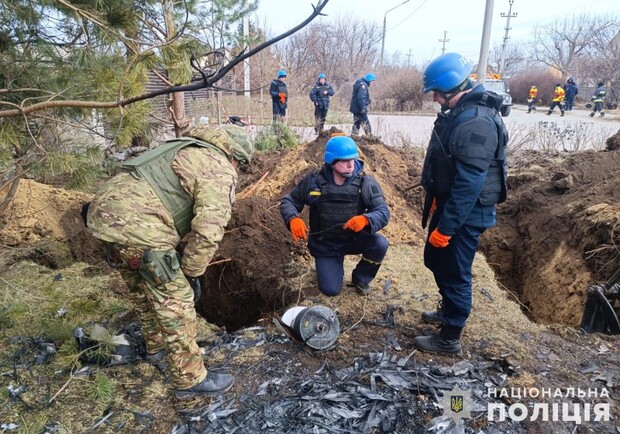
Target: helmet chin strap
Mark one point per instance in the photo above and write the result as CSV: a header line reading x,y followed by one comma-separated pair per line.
x,y
447,96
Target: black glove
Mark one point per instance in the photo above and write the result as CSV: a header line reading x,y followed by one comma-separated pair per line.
x,y
194,282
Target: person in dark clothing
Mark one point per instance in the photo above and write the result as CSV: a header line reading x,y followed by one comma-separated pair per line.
x,y
464,176
320,94
347,209
360,100
598,98
570,92
279,96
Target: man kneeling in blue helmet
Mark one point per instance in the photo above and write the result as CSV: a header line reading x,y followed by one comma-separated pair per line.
x,y
347,208
464,176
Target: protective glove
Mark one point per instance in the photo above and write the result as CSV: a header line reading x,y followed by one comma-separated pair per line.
x,y
194,283
298,229
356,223
438,240
282,97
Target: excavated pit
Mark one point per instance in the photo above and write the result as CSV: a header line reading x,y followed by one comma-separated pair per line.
x,y
559,231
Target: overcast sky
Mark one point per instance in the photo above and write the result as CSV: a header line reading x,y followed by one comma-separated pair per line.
x,y
418,25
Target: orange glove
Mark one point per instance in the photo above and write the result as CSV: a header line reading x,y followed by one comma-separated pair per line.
x,y
439,240
282,97
433,206
298,229
356,223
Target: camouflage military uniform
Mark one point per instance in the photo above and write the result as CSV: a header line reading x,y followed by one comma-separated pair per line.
x,y
128,213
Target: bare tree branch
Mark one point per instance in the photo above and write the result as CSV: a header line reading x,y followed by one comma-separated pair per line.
x,y
206,82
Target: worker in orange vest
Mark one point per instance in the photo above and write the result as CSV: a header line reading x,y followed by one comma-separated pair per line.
x,y
532,99
558,99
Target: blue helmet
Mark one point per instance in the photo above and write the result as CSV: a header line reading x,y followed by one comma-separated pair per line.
x,y
340,148
281,73
321,75
446,72
370,77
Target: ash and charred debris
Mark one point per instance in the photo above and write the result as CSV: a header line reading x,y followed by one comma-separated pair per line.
x,y
378,392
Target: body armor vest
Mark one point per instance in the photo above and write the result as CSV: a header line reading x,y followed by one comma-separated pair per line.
x,y
337,204
439,169
154,167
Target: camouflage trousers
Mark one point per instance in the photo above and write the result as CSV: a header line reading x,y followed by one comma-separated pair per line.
x,y
168,320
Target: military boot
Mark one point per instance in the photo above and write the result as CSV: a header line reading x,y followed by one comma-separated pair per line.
x,y
592,114
602,114
562,113
433,316
447,341
158,360
362,288
549,113
213,384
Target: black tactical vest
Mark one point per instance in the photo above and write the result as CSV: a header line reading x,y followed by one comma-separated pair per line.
x,y
439,169
337,204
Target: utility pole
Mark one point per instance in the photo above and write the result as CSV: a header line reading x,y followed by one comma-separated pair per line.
x,y
484,44
409,58
246,62
384,25
502,61
443,41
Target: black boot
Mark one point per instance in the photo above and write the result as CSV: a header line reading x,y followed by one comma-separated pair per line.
x,y
158,360
433,316
447,341
362,288
213,384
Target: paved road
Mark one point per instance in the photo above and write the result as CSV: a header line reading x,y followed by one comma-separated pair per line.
x,y
414,130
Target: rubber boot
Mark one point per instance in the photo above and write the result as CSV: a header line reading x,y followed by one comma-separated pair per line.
x,y
602,114
562,113
355,131
447,341
433,316
213,384
549,112
529,110
592,114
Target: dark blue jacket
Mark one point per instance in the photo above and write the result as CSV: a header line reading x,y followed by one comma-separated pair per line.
x,y
373,203
472,146
570,90
360,100
275,89
318,98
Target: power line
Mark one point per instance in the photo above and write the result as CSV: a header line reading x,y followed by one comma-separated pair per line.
x,y
409,16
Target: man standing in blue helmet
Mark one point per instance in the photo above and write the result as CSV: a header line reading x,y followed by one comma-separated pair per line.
x,y
347,209
464,176
279,96
319,95
360,100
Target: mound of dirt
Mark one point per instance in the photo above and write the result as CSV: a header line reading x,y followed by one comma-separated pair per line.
x,y
613,143
261,269
558,232
396,170
41,215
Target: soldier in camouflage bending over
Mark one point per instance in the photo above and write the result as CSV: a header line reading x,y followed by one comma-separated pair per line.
x,y
186,186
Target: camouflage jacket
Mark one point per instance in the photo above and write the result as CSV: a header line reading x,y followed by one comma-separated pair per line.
x,y
127,211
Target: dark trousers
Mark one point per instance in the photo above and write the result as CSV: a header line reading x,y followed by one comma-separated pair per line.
x,y
451,267
279,113
569,103
330,269
530,105
555,104
360,120
319,116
